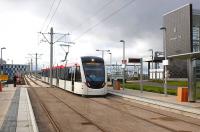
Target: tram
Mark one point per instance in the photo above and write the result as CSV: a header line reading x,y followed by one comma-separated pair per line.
x,y
85,77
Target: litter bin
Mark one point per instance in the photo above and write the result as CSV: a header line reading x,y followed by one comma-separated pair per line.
x,y
116,84
182,94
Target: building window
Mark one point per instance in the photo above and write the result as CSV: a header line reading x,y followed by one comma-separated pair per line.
x,y
196,39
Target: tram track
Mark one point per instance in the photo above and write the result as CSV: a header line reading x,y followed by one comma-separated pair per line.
x,y
148,110
170,129
117,102
56,126
49,115
147,120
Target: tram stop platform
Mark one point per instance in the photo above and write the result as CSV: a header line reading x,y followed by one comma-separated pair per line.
x,y
16,113
160,101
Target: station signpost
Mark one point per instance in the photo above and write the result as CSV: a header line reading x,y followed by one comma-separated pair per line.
x,y
124,62
138,60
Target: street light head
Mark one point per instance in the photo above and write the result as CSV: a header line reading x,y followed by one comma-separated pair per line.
x,y
163,28
3,48
97,50
64,45
71,42
122,41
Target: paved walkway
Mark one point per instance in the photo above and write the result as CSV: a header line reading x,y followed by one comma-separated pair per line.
x,y
16,114
160,100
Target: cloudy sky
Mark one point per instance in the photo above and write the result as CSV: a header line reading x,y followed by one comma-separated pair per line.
x,y
92,24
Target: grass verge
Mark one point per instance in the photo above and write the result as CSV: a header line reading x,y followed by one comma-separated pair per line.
x,y
173,83
153,89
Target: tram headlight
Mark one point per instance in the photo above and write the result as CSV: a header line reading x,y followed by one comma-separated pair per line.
x,y
103,84
87,83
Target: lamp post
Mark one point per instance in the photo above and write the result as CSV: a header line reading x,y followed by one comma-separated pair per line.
x,y
165,54
151,57
2,57
110,65
123,62
103,52
151,60
110,58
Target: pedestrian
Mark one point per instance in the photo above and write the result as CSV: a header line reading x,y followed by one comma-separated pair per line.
x,y
15,80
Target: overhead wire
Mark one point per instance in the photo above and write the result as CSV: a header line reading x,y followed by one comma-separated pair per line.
x,y
104,19
51,7
93,15
53,14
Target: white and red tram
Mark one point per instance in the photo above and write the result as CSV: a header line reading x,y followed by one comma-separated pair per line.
x,y
86,77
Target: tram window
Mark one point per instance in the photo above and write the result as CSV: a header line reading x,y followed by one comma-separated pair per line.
x,y
69,74
45,73
54,73
48,73
58,73
61,74
65,73
78,74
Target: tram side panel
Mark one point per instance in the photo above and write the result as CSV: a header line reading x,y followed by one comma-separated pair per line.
x,y
68,85
61,84
43,78
54,81
78,88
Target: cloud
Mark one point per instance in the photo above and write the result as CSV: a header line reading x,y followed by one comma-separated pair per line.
x,y
138,24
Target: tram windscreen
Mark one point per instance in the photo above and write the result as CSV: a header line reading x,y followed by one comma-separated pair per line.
x,y
94,71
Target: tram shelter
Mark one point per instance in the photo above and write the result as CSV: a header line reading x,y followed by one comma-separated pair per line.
x,y
181,38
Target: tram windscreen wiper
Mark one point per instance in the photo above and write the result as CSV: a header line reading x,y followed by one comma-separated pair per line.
x,y
88,76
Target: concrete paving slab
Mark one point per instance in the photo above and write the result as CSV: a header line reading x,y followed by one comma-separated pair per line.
x,y
16,114
25,122
10,119
5,100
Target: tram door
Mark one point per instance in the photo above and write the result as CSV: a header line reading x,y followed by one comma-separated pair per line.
x,y
73,78
57,76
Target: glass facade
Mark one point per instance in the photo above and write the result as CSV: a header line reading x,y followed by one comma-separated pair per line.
x,y
196,31
196,39
196,48
178,39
